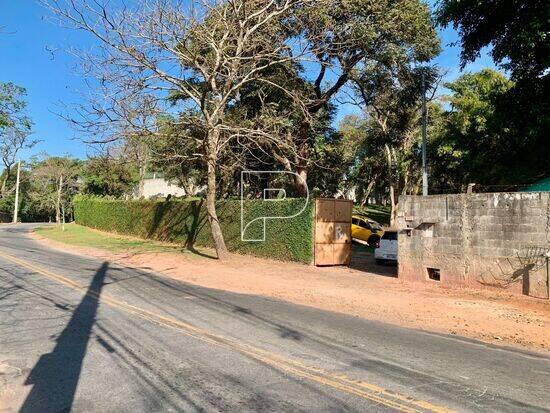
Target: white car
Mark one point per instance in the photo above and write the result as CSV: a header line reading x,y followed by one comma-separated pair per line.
x,y
387,251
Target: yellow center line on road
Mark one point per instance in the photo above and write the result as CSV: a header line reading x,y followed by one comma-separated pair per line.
x,y
334,380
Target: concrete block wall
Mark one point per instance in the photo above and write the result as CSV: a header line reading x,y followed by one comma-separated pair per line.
x,y
495,240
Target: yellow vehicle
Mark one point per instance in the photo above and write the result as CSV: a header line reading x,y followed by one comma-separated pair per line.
x,y
366,230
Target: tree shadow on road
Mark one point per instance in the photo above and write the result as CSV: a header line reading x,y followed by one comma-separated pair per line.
x,y
55,376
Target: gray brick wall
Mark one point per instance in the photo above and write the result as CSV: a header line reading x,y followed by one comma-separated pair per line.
x,y
493,240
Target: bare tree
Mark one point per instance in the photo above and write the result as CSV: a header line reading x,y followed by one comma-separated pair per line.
x,y
197,54
137,150
55,180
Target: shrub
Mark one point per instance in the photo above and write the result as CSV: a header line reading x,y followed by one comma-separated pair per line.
x,y
185,221
5,217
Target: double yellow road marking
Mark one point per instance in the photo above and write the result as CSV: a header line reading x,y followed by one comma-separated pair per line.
x,y
336,381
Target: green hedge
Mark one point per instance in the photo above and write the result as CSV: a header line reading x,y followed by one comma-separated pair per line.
x,y
5,217
186,222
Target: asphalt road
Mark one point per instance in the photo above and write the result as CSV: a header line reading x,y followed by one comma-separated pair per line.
x,y
81,335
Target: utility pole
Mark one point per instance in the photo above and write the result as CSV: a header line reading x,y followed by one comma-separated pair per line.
x,y
424,137
16,207
58,206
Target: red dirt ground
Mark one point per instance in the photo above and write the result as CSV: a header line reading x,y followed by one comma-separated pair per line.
x,y
487,315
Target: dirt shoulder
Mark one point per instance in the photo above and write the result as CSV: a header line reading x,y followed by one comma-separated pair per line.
x,y
494,317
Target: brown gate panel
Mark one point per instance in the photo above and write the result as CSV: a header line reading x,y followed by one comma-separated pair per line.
x,y
342,211
324,254
342,254
342,233
333,231
324,232
324,210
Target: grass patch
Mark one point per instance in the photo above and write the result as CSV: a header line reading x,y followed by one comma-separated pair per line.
x,y
81,236
379,213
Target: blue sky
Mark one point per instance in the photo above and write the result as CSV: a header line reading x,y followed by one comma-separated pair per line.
x,y
34,55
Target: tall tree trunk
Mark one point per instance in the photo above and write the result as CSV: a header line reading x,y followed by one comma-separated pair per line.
x,y
417,186
393,203
188,187
58,201
62,217
300,181
217,234
141,155
141,185
367,192
7,173
406,181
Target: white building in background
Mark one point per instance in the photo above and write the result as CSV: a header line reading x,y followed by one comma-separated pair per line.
x,y
154,185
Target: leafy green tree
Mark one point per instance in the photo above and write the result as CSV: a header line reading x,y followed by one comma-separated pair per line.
x,y
329,164
389,154
103,175
7,201
516,30
15,128
476,144
35,203
349,36
177,154
517,33
365,155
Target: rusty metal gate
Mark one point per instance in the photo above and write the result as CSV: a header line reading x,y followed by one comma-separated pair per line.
x,y
333,231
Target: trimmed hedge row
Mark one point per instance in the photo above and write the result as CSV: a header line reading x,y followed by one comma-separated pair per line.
x,y
185,221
